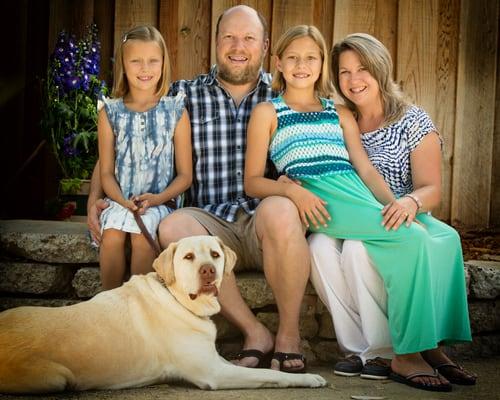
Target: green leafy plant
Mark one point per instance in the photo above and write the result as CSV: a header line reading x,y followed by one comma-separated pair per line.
x,y
70,93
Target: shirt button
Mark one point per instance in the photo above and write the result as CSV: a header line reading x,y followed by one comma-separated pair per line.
x,y
238,147
239,120
238,173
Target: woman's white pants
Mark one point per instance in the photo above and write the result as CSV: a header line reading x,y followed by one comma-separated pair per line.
x,y
351,288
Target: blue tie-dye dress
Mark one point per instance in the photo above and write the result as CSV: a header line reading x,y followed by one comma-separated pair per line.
x,y
144,158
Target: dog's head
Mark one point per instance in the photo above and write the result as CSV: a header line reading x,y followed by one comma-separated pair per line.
x,y
193,268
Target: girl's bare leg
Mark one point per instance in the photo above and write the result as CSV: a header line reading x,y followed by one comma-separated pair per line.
x,y
142,255
112,258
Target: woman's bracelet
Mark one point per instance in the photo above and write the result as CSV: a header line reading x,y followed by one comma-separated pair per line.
x,y
417,201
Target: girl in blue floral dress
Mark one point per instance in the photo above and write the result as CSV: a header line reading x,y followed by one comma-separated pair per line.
x,y
317,143
139,131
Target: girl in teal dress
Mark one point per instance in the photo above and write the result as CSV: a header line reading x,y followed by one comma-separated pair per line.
x,y
342,194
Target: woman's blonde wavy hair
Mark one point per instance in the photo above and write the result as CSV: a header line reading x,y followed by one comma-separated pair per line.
x,y
145,33
375,57
322,86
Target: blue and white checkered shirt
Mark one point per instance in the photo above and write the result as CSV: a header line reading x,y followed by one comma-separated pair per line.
x,y
219,143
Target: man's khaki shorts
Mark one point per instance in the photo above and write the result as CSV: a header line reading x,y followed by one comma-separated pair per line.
x,y
239,235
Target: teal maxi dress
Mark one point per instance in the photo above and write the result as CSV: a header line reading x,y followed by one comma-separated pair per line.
x,y
421,265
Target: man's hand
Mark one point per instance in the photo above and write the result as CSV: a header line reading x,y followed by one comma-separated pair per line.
x,y
94,212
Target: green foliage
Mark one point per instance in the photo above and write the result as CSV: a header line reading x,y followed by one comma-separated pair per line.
x,y
70,93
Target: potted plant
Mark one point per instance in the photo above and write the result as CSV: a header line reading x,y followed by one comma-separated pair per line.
x,y
69,106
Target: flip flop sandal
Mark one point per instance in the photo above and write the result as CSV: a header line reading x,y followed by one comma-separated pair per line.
x,y
281,357
264,359
407,380
456,374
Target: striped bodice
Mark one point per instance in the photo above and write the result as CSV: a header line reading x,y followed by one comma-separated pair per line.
x,y
308,144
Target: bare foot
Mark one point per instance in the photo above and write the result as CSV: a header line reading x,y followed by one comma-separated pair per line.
x,y
406,364
287,344
259,339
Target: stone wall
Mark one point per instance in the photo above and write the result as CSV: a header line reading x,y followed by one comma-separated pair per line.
x,y
48,263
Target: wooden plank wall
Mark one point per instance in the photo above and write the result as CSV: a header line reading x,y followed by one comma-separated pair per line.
x,y
445,55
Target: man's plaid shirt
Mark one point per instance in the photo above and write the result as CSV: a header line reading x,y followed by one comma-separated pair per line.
x,y
219,143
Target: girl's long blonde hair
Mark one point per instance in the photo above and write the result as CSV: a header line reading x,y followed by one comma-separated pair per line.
x,y
375,57
145,33
323,85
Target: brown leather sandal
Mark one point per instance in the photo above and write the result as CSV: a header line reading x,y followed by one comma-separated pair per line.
x,y
456,374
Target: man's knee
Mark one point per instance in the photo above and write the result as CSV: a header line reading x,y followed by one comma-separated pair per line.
x,y
278,215
178,225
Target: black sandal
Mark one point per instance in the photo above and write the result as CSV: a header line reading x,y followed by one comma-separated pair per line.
x,y
264,359
281,357
408,380
456,374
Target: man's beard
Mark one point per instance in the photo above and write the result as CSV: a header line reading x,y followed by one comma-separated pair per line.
x,y
241,76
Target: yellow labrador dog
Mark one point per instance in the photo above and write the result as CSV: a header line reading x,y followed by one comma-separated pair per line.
x,y
154,328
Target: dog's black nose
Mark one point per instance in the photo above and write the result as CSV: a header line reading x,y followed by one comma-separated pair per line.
x,y
207,273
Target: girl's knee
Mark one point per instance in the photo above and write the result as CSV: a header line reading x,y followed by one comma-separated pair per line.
x,y
278,214
113,238
139,243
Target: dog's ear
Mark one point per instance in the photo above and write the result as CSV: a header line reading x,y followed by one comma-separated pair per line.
x,y
229,257
164,264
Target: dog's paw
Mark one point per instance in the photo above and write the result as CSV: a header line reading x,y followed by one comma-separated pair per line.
x,y
315,380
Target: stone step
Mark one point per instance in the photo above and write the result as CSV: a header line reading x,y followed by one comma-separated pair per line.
x,y
47,241
49,263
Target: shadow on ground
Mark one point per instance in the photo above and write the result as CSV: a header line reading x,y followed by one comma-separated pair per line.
x,y
339,388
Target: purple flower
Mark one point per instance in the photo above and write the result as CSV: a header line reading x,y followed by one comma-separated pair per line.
x,y
68,148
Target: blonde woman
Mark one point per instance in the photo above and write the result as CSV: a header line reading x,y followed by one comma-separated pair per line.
x,y
403,144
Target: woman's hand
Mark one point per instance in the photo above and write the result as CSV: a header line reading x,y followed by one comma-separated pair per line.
x,y
397,212
311,207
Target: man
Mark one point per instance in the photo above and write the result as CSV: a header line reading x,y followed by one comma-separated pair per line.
x,y
268,234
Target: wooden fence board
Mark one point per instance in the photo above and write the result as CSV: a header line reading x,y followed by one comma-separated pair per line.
x,y
353,16
287,13
64,14
386,25
446,68
104,19
130,13
185,25
377,18
475,113
322,17
417,48
495,169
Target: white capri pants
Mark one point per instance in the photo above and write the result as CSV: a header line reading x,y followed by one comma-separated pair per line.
x,y
349,285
